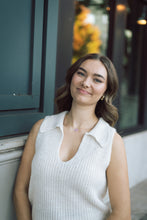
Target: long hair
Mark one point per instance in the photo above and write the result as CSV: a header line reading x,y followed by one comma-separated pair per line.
x,y
104,108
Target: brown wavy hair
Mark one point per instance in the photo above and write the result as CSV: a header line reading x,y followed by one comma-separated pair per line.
x,y
104,108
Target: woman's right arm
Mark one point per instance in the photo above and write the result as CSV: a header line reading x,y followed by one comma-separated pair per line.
x,y
21,201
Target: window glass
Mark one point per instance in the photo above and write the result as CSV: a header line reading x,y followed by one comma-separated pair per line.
x,y
15,17
130,81
90,31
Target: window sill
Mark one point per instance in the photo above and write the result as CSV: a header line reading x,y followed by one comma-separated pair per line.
x,y
11,149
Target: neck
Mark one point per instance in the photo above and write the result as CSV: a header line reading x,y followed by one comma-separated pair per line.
x,y
81,117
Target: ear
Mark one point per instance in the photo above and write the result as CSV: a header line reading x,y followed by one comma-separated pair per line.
x,y
102,98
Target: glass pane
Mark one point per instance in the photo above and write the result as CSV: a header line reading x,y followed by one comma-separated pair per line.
x,y
90,33
130,82
15,40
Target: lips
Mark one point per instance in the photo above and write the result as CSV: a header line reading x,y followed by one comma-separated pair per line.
x,y
83,91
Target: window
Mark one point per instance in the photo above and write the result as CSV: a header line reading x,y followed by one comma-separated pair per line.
x,y
29,41
20,74
132,74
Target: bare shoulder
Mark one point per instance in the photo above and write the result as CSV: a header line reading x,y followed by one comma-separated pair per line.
x,y
117,139
34,131
118,144
118,155
30,143
35,128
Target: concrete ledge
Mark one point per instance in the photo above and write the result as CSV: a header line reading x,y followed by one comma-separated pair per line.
x,y
11,149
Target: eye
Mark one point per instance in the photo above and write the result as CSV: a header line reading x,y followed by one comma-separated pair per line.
x,y
81,73
97,80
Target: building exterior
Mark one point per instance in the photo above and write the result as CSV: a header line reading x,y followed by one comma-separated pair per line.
x,y
38,41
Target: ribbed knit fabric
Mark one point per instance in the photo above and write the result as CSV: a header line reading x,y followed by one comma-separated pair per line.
x,y
72,190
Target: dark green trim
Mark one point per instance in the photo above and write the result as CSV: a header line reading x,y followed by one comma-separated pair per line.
x,y
13,102
51,54
37,47
18,123
44,71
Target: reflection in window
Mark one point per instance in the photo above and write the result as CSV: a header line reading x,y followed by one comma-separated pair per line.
x,y
130,82
90,32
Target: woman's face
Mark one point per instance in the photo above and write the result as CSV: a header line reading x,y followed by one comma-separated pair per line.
x,y
89,83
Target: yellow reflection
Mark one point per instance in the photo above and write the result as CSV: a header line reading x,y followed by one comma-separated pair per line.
x,y
86,35
141,22
121,7
108,8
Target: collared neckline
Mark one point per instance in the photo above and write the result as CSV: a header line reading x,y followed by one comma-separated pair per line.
x,y
56,121
99,132
53,121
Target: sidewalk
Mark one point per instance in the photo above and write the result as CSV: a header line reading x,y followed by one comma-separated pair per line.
x,y
139,201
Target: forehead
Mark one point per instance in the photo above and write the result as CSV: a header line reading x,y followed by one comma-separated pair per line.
x,y
94,67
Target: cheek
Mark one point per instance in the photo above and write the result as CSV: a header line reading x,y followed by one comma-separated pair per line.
x,y
75,79
100,90
72,85
74,82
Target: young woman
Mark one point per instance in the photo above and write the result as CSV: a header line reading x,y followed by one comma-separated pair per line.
x,y
71,158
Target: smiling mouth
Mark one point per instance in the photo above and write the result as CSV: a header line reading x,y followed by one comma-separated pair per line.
x,y
83,91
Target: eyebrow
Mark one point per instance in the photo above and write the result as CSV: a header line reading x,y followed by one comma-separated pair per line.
x,y
95,74
83,69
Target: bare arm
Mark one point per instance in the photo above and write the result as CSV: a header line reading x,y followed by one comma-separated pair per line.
x,y
21,202
118,183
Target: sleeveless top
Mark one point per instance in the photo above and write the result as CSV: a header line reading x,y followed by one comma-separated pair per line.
x,y
75,189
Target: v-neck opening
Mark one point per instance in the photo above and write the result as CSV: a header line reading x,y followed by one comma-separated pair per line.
x,y
75,156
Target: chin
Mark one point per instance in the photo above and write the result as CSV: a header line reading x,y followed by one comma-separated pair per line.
x,y
83,102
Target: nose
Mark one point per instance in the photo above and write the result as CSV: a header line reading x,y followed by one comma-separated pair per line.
x,y
86,83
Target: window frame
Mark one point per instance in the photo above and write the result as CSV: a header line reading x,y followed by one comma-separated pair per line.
x,y
26,101
119,24
18,122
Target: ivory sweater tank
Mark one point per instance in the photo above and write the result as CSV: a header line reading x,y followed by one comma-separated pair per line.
x,y
71,190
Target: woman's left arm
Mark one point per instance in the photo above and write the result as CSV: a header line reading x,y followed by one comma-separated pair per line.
x,y
118,183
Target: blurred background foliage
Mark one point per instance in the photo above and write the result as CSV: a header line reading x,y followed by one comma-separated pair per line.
x,y
86,35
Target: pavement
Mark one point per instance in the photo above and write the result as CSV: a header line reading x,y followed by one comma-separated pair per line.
x,y
139,201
